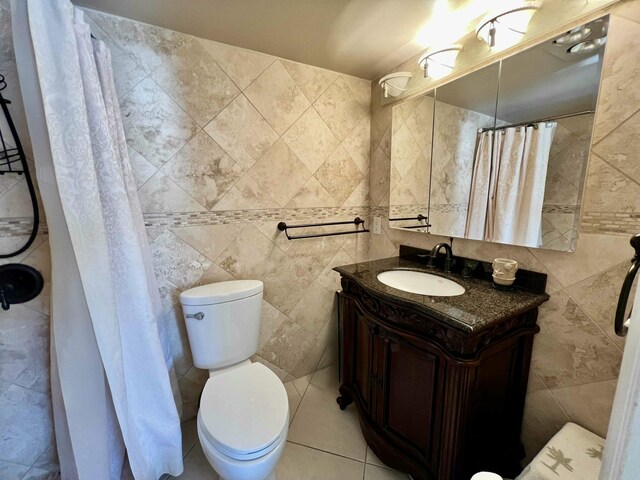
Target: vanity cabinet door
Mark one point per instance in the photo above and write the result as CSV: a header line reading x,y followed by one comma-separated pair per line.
x,y
411,386
364,350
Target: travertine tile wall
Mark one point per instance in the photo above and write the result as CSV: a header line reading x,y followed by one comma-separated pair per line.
x,y
241,140
576,355
224,143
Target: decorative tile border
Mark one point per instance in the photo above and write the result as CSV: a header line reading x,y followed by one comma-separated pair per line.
x,y
380,211
561,209
313,215
407,210
20,226
449,208
591,222
610,223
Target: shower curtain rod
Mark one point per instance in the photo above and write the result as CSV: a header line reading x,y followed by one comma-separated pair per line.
x,y
541,120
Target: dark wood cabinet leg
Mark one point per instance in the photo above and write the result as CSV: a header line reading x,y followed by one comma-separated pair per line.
x,y
344,400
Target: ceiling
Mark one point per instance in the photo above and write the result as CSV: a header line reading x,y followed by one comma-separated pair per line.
x,y
364,38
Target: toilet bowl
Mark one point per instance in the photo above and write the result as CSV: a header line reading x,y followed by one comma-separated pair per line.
x,y
243,418
243,422
486,476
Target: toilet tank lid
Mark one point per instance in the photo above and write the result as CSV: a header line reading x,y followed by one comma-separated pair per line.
x,y
221,292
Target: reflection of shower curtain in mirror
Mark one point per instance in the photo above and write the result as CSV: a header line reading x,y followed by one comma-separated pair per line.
x,y
479,195
513,189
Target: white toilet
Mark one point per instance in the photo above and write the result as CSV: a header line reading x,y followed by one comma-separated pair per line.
x,y
244,411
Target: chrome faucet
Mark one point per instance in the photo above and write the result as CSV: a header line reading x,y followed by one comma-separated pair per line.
x,y
434,254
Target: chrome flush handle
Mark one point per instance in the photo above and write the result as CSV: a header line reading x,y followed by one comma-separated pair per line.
x,y
197,316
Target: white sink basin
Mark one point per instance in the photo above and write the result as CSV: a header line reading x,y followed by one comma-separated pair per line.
x,y
421,283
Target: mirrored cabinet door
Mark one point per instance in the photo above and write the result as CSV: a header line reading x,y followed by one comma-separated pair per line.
x,y
546,108
411,142
464,108
509,147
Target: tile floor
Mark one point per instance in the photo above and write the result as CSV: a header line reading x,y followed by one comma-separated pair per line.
x,y
324,442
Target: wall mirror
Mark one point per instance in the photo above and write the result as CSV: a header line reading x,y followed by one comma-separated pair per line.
x,y
463,107
509,147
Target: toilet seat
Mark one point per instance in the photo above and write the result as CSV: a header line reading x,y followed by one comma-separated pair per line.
x,y
244,412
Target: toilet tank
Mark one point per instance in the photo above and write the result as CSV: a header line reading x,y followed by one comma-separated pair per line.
x,y
223,322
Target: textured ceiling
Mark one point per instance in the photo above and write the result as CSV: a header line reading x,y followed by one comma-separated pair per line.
x,y
365,38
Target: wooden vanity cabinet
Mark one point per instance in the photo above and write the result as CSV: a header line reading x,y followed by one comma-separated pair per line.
x,y
434,402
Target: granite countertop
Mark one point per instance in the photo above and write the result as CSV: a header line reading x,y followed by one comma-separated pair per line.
x,y
480,307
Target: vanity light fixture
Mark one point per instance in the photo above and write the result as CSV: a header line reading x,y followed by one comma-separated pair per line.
x,y
505,28
573,36
604,24
394,84
439,63
587,47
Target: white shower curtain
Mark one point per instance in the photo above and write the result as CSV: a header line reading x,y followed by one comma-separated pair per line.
x,y
111,386
509,179
480,183
516,206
